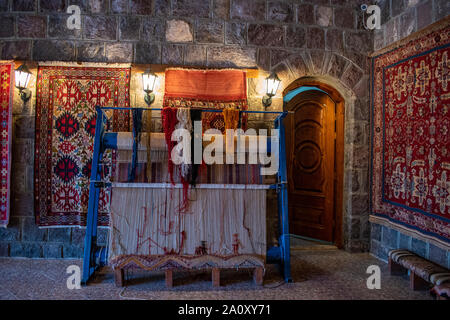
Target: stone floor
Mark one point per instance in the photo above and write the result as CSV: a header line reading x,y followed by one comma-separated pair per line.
x,y
318,274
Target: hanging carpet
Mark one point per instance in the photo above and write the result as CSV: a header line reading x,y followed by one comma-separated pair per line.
x,y
211,89
65,128
410,136
6,98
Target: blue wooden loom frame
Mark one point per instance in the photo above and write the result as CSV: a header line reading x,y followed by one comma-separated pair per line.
x,y
96,256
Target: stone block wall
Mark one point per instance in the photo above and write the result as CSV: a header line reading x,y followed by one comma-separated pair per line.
x,y
400,18
321,39
385,239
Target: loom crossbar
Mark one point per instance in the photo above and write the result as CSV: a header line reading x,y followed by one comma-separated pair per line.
x,y
96,256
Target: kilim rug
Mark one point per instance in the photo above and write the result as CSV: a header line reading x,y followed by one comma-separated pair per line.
x,y
411,135
210,89
6,96
65,128
222,227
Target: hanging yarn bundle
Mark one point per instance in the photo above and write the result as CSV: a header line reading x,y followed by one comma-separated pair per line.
x,y
231,119
184,122
137,128
169,121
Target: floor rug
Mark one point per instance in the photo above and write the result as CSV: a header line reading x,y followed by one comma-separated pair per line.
x,y
6,94
65,127
411,135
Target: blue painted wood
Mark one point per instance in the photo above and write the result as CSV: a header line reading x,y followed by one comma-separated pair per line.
x,y
291,94
137,127
90,240
132,173
283,212
109,140
273,255
101,256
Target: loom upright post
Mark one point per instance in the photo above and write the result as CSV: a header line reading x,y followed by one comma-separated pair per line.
x,y
90,242
283,209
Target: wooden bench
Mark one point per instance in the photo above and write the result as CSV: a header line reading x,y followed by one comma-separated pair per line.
x,y
441,292
258,275
422,272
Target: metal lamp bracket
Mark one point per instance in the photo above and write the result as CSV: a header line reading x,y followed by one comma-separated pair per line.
x,y
267,100
149,98
25,94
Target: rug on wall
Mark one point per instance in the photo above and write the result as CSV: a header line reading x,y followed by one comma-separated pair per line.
x,y
65,128
6,97
210,89
410,187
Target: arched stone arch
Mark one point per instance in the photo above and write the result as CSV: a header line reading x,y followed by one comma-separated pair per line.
x,y
346,70
295,72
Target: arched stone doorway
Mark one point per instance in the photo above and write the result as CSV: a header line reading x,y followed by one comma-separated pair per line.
x,y
315,154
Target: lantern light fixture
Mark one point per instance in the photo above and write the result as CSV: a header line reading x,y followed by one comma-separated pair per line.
x,y
22,76
148,82
272,84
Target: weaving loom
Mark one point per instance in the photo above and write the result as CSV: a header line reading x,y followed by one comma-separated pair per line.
x,y
224,225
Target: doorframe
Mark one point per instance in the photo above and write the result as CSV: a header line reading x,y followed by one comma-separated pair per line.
x,y
339,152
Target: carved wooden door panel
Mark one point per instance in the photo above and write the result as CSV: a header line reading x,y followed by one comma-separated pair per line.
x,y
310,147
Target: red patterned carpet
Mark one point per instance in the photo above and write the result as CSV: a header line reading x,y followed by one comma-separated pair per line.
x,y
65,127
6,87
411,140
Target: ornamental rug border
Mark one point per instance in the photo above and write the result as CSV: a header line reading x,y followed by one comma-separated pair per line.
x,y
426,221
186,262
46,142
6,98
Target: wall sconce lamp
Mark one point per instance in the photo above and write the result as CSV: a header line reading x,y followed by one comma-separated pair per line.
x,y
272,84
148,83
22,77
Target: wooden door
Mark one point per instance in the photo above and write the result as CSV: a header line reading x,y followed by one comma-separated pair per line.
x,y
310,147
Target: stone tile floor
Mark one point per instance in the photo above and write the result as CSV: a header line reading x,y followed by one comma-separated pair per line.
x,y
317,274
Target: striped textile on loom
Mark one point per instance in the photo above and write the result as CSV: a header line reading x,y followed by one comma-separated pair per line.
x,y
216,174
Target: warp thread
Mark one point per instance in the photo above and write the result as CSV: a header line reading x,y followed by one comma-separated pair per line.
x,y
169,121
149,151
196,115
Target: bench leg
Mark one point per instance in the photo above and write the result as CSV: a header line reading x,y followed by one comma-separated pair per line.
x,y
258,276
169,279
396,269
216,277
119,277
417,283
